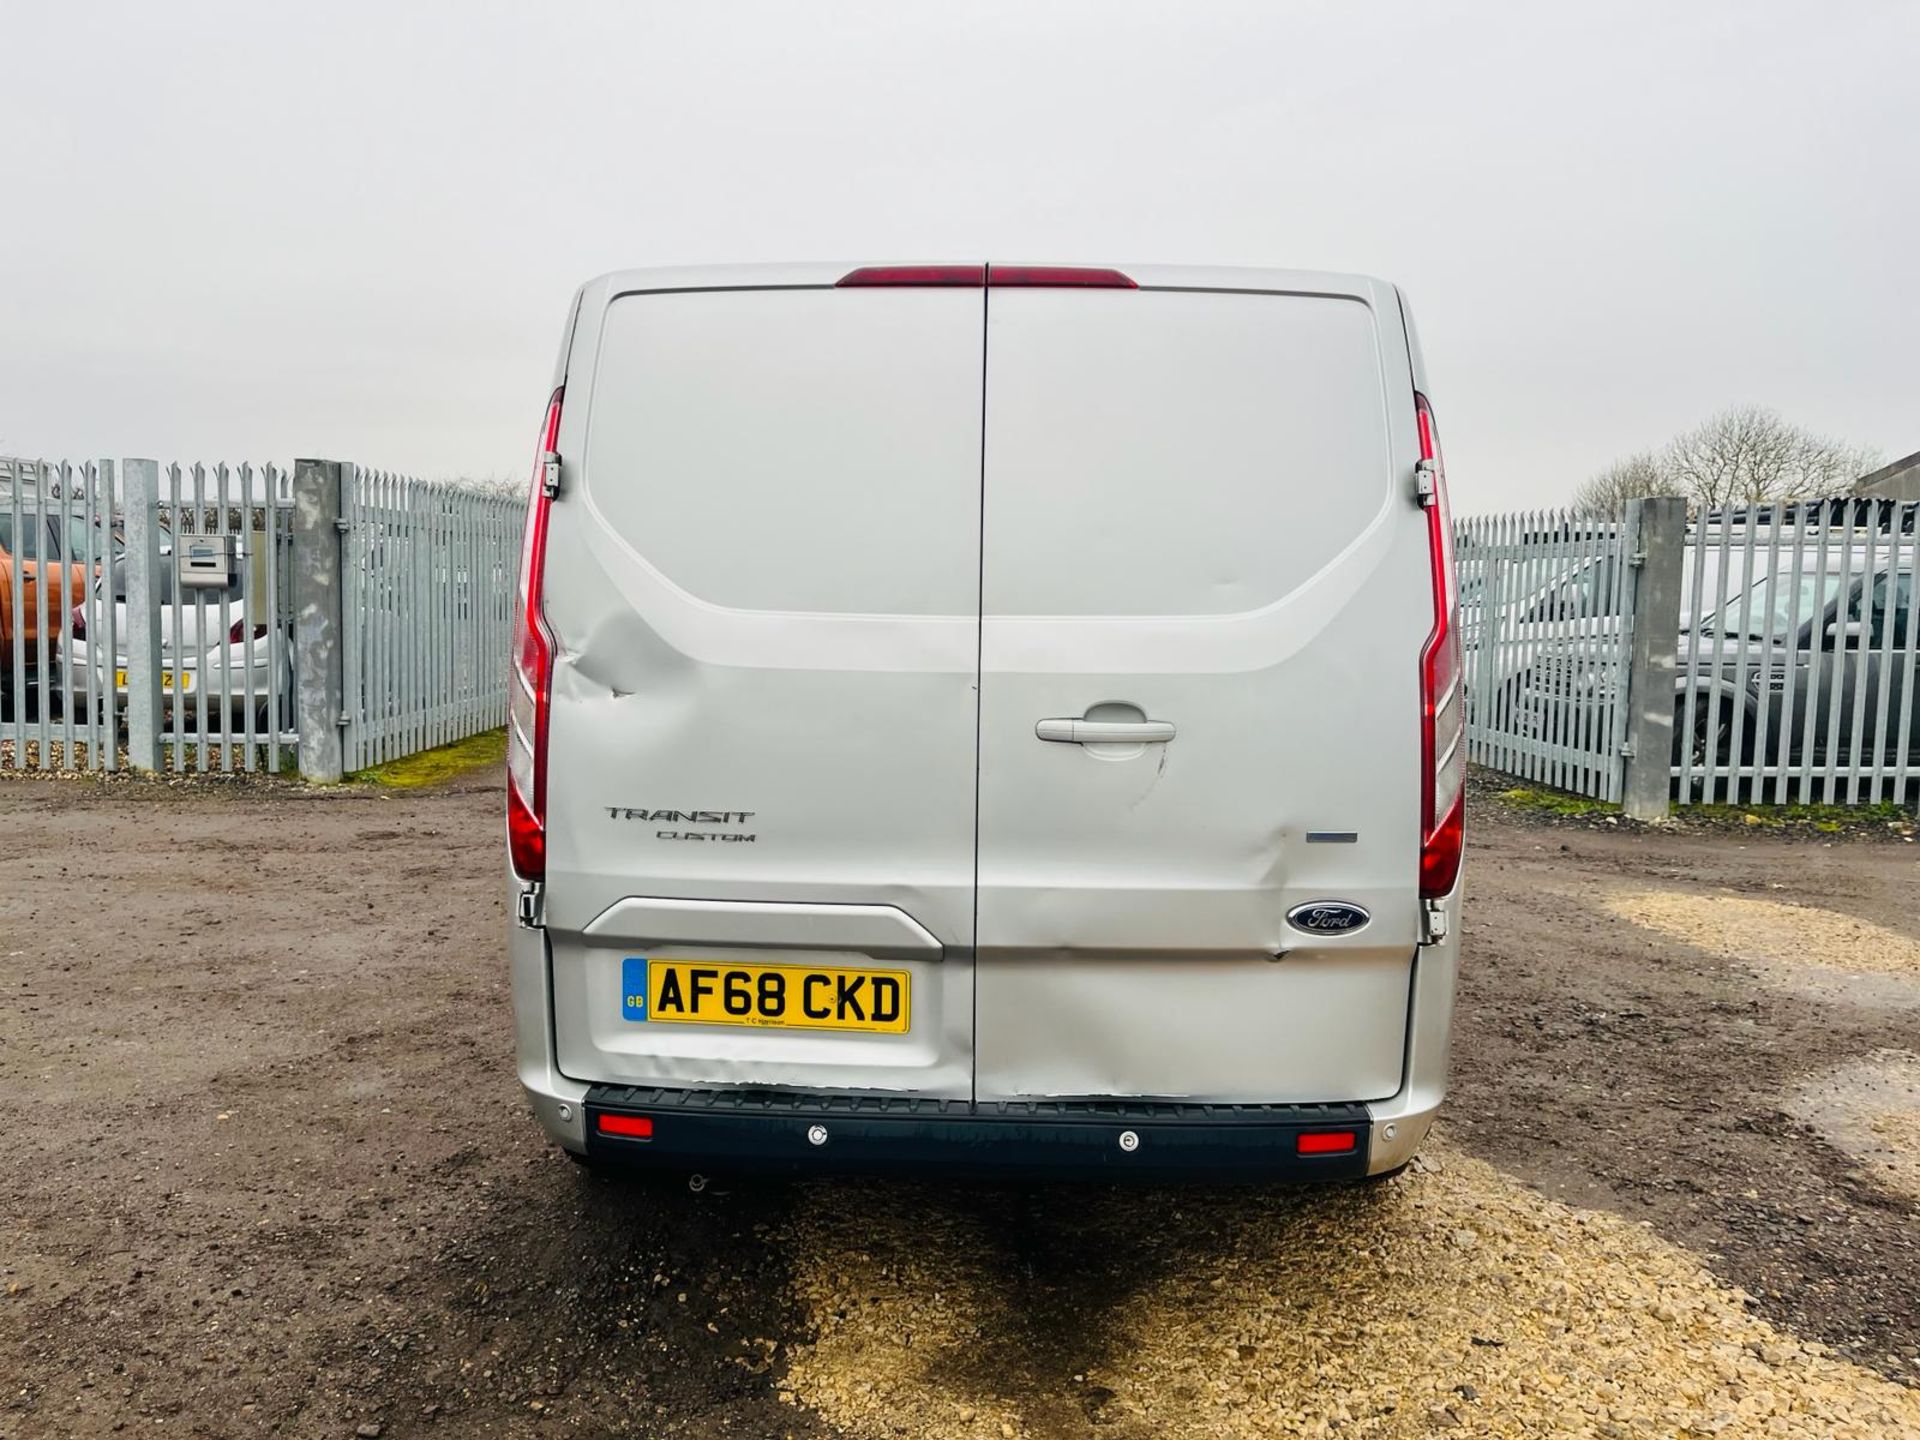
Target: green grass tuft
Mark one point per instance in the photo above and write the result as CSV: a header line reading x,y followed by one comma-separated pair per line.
x,y
436,767
1555,802
1826,818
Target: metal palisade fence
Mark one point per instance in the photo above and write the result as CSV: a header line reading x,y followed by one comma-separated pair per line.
x,y
429,579
57,535
235,617
1799,656
1769,654
1545,606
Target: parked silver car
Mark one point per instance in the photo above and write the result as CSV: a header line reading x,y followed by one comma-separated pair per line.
x,y
217,658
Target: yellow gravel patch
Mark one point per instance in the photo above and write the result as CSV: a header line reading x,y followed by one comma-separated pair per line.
x,y
1741,927
1452,1301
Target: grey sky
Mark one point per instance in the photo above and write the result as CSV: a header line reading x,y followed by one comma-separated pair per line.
x,y
241,231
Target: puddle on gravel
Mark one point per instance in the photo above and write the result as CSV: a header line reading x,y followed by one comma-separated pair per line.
x,y
1870,1110
1823,954
1450,1300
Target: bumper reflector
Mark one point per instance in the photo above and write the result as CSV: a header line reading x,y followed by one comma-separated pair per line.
x,y
1326,1142
627,1127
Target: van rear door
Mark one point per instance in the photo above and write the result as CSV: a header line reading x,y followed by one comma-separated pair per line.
x,y
762,575
1199,522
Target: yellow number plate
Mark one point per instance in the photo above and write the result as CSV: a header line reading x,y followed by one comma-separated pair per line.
x,y
167,678
784,997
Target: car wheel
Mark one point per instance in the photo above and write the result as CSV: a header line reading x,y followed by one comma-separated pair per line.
x,y
1709,738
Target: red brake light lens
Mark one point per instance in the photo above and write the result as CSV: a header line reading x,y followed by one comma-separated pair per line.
x,y
77,622
1443,728
1077,277
530,685
964,275
237,634
627,1127
1327,1142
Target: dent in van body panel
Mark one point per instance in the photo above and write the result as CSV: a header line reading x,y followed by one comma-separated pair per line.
x,y
1134,908
1199,1027
850,738
1409,1114
933,1059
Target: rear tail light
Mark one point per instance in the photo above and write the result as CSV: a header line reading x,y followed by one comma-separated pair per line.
x,y
1443,726
530,686
77,623
238,634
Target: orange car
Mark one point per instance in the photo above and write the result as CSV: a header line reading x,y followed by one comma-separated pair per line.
x,y
40,554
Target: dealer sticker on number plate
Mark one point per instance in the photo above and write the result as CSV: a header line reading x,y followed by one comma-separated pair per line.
x,y
787,997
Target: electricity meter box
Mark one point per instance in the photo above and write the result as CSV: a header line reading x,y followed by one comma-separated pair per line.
x,y
206,561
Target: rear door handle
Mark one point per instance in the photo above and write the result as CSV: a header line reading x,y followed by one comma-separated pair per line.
x,y
1105,732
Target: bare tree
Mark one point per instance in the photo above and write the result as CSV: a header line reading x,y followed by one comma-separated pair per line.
x,y
1633,478
1749,455
513,487
1744,456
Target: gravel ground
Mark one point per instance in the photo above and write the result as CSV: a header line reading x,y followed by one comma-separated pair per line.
x,y
1452,1298
271,1175
1871,1111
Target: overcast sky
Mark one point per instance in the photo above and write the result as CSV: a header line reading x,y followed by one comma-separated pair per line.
x,y
244,231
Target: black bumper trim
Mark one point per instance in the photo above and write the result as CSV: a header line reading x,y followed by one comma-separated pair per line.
x,y
770,1130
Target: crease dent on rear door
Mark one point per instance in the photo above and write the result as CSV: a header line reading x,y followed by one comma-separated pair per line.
x,y
765,597
1192,529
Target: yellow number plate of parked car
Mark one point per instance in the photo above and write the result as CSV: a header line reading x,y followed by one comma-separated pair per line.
x,y
167,680
794,997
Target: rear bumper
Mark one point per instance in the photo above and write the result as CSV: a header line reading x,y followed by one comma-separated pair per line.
x,y
926,1134
760,1130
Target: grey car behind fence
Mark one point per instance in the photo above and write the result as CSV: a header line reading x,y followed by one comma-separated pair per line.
x,y
1767,655
153,616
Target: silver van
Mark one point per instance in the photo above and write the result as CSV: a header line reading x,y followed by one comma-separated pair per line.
x,y
987,716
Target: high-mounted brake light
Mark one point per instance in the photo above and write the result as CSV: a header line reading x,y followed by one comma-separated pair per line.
x,y
1074,277
1443,726
530,686
1068,277
973,275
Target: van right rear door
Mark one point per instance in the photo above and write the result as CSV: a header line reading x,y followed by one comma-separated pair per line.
x,y
1205,592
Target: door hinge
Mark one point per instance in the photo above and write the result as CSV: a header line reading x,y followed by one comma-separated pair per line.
x,y
1433,921
1626,749
531,909
550,474
1426,482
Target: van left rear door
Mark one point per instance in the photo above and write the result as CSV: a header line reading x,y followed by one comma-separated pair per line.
x,y
763,581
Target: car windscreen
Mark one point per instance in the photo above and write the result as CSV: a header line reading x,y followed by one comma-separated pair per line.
x,y
30,537
1792,605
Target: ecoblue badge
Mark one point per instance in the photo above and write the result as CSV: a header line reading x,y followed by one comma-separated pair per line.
x,y
633,988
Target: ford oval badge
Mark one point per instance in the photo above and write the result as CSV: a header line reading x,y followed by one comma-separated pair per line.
x,y
1328,917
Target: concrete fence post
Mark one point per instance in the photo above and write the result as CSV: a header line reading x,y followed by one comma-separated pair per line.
x,y
1656,536
317,622
140,482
